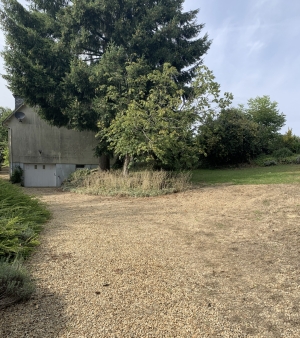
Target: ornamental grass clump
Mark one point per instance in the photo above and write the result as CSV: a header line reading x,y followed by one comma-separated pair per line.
x,y
140,183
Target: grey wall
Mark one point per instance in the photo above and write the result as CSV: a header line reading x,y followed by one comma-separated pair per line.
x,y
64,170
34,141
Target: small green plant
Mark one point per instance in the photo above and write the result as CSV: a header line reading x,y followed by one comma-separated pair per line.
x,y
17,175
15,283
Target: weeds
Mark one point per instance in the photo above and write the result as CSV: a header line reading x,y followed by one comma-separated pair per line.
x,y
112,183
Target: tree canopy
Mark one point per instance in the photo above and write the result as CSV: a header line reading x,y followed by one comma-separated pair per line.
x,y
54,49
69,57
266,114
229,138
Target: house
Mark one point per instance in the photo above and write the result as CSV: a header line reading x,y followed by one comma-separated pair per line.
x,y
46,154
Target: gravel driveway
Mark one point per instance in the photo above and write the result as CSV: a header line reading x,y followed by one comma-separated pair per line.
x,y
220,261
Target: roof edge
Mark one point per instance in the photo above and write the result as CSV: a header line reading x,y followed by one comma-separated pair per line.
x,y
4,122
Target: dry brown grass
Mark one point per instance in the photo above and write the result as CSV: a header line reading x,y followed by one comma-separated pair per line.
x,y
142,183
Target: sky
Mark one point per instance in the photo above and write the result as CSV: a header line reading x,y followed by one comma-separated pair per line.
x,y
255,51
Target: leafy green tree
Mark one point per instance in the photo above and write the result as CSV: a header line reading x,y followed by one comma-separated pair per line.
x,y
229,138
155,124
266,114
55,49
206,99
159,124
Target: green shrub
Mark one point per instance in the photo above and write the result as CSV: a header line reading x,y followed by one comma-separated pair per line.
x,y
231,138
17,175
282,153
21,217
15,283
297,160
20,221
266,160
261,159
270,163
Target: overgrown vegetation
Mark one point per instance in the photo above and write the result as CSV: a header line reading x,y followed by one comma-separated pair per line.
x,y
273,159
114,183
4,113
21,218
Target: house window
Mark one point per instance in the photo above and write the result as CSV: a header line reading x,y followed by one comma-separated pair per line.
x,y
44,167
79,166
35,166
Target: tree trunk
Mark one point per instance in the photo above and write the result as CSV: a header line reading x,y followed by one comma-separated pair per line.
x,y
104,163
126,165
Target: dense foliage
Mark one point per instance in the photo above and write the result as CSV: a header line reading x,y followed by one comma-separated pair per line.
x,y
230,138
237,135
64,55
4,113
266,114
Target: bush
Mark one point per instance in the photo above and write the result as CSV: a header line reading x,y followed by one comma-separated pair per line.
x,y
270,163
231,138
297,160
15,283
282,153
17,175
141,183
265,160
21,217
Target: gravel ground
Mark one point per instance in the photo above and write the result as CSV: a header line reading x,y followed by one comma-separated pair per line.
x,y
220,261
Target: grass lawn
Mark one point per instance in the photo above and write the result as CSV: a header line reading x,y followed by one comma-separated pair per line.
x,y
258,175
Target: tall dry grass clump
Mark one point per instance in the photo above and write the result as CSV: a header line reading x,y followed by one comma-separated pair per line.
x,y
114,183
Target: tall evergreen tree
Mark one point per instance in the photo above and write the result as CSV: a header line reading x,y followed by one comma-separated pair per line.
x,y
55,49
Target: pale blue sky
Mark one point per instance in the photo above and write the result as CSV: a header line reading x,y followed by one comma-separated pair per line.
x,y
255,51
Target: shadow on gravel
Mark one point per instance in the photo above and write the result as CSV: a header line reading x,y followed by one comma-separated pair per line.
x,y
41,316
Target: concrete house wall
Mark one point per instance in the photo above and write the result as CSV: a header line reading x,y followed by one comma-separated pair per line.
x,y
42,150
